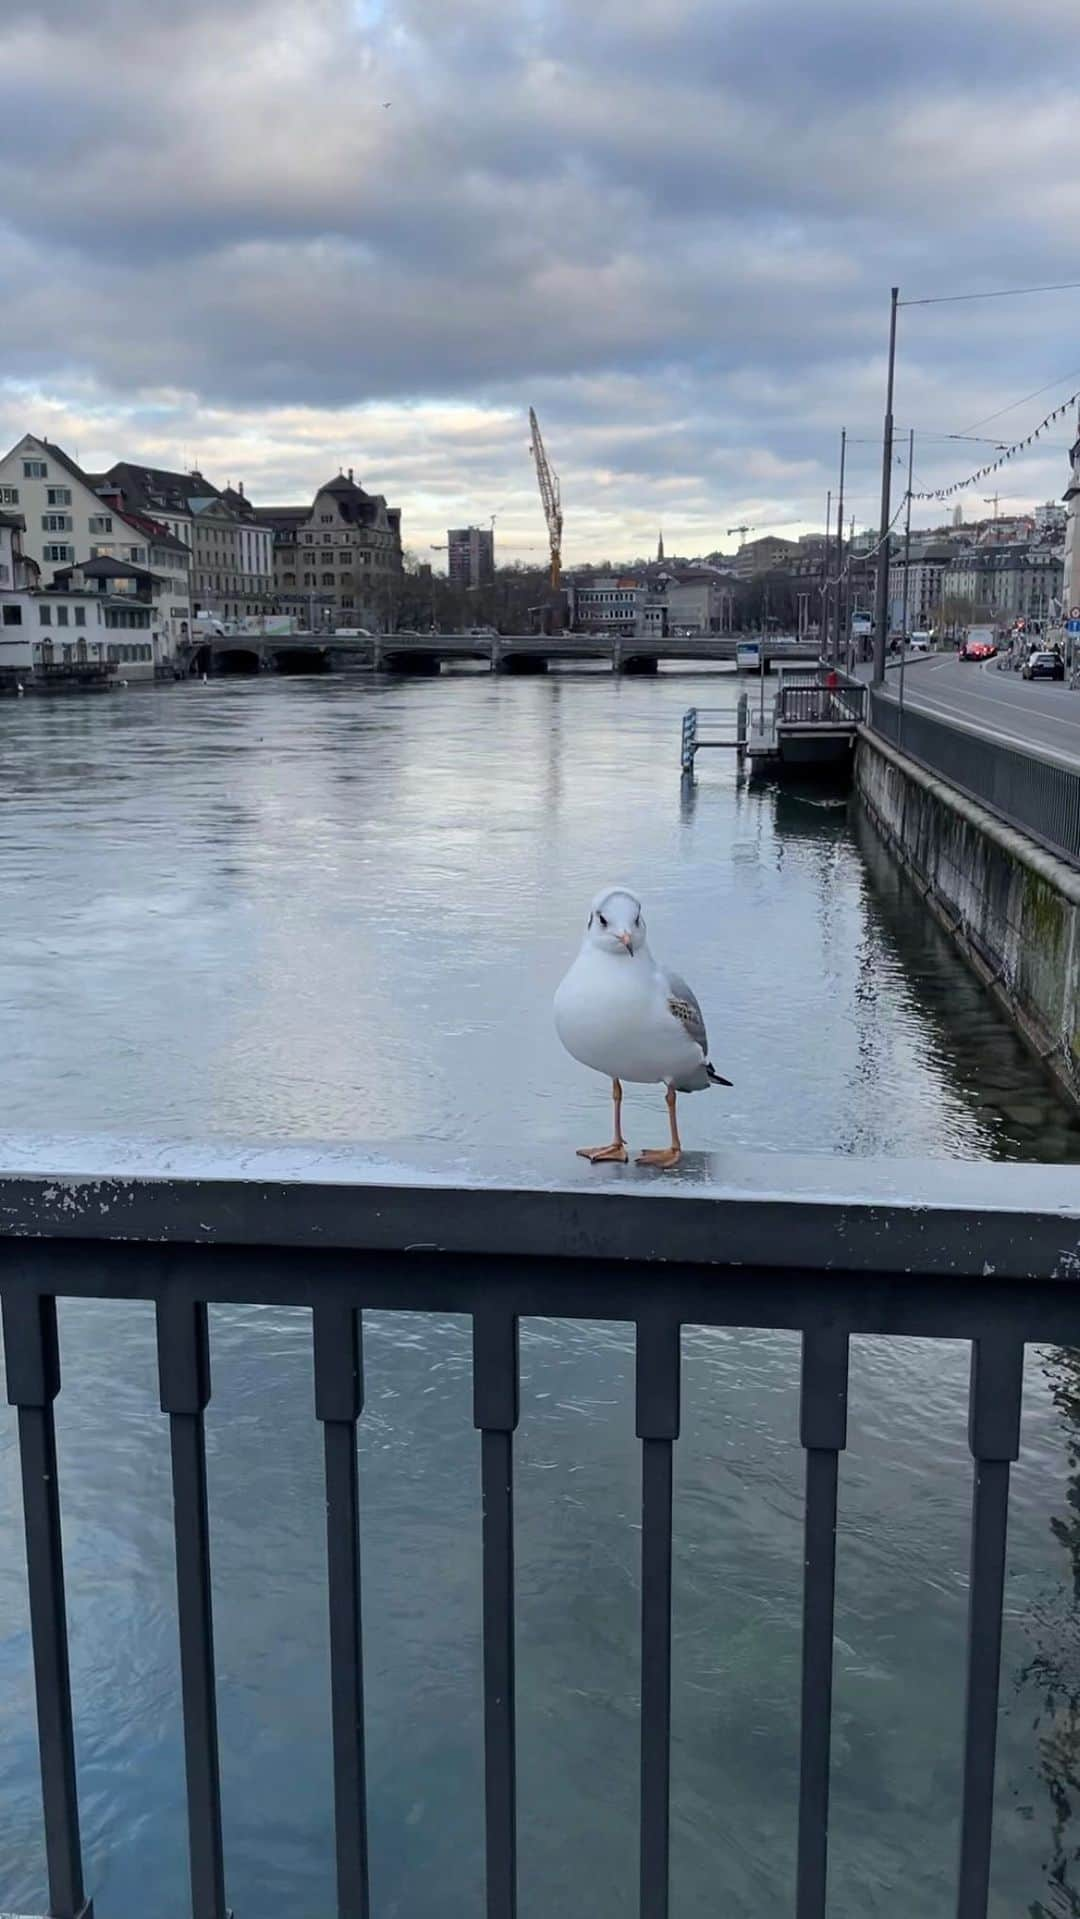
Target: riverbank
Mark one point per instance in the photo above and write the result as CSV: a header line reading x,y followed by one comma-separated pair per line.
x,y
1011,908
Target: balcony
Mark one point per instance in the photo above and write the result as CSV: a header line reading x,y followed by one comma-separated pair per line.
x,y
984,1253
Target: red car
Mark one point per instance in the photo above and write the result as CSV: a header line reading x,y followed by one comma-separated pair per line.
x,y
978,650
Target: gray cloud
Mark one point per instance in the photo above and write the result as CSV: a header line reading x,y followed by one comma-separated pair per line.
x,y
673,221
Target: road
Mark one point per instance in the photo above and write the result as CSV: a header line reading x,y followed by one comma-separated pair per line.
x,y
1039,714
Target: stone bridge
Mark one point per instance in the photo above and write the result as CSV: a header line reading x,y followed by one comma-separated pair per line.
x,y
252,653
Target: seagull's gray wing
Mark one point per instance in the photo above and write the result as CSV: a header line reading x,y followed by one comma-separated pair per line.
x,y
684,1004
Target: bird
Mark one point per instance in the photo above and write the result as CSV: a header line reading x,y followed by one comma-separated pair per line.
x,y
622,1013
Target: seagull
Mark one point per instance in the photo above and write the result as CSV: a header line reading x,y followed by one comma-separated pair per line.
x,y
629,1018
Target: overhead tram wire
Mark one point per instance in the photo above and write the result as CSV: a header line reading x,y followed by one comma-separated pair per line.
x,y
1073,373
1007,453
998,293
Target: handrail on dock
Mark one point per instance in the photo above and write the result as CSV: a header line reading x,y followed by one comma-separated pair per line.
x,y
711,717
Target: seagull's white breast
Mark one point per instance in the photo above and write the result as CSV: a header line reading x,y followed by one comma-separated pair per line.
x,y
612,1013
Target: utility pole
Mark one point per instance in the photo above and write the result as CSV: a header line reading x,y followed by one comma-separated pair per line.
x,y
823,628
907,562
839,551
881,595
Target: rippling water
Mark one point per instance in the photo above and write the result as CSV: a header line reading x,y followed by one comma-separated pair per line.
x,y
338,910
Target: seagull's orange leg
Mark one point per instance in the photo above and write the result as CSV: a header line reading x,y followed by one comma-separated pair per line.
x,y
617,1149
667,1155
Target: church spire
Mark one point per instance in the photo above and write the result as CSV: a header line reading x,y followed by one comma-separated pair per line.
x,y
660,547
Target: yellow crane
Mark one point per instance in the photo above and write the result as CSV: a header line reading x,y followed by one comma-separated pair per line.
x,y
550,497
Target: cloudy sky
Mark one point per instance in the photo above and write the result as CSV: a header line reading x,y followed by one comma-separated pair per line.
x,y
275,237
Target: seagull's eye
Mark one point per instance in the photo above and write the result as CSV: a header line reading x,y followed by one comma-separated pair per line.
x,y
602,920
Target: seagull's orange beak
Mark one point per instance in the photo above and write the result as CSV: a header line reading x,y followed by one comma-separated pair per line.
x,y
625,940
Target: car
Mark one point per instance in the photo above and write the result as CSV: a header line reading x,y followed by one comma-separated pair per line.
x,y
977,649
920,642
1043,666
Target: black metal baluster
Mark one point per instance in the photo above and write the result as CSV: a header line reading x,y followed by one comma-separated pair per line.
x,y
495,1412
339,1399
997,1366
657,1426
184,1375
823,1432
33,1380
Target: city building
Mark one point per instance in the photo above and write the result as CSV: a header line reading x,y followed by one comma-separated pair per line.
x,y
125,597
470,555
51,628
337,562
16,571
1021,580
604,602
1050,519
927,563
697,600
675,598
1070,590
761,556
232,562
71,516
62,513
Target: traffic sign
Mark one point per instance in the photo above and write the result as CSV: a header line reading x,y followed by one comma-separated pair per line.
x,y
1072,626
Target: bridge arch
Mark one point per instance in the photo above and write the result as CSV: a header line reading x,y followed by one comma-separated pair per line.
x,y
300,659
238,661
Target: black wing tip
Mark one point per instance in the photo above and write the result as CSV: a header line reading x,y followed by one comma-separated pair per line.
x,y
717,1079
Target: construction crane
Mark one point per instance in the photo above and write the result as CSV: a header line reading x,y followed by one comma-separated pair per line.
x,y
550,498
744,530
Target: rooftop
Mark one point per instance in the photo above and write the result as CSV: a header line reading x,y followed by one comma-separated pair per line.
x,y
106,568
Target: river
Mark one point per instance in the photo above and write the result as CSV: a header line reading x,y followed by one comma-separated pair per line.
x,y
337,910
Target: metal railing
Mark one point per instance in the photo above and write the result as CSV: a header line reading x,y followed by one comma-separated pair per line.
x,y
1039,796
985,1253
706,726
819,702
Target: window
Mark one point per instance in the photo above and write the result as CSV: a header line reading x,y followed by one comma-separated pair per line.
x,y
346,601
309,579
290,579
58,496
101,522
44,614
34,469
328,579
58,555
56,522
328,539
61,616
12,615
9,496
308,537
327,519
113,655
80,616
67,655
138,554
